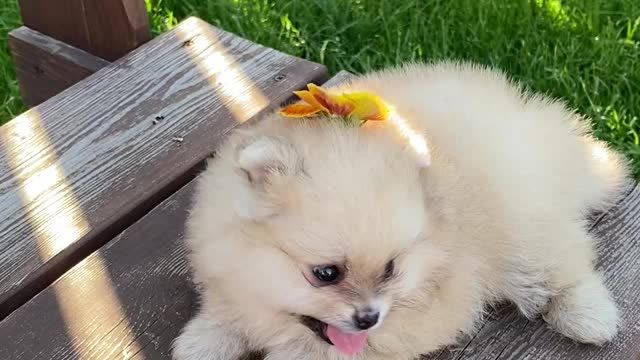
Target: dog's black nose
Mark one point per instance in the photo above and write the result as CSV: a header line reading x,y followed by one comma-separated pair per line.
x,y
366,319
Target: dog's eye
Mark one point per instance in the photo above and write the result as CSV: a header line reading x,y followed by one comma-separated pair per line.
x,y
389,270
327,274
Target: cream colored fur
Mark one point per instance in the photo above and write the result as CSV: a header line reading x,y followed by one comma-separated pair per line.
x,y
498,214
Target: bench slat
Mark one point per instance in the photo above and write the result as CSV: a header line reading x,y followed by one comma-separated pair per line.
x,y
131,297
46,66
108,29
81,167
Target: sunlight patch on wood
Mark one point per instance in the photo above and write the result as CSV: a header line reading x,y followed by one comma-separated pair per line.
x,y
57,219
225,76
91,283
50,204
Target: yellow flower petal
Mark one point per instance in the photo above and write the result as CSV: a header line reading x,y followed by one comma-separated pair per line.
x,y
368,107
299,110
337,105
357,106
308,97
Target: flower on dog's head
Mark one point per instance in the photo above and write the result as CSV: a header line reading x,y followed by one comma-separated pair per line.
x,y
354,107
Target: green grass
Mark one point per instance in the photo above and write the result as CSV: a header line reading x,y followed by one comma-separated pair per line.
x,y
584,51
10,102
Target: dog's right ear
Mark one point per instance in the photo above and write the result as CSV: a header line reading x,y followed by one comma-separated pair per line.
x,y
268,163
266,157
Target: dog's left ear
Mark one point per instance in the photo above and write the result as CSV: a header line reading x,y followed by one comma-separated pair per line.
x,y
269,164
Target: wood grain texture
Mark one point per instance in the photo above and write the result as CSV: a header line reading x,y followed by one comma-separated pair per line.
x,y
62,20
46,66
106,28
78,169
340,78
148,297
116,27
149,277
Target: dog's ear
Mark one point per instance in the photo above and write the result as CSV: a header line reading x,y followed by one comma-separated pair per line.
x,y
269,163
265,157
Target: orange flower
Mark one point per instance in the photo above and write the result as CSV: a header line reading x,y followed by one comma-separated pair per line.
x,y
355,106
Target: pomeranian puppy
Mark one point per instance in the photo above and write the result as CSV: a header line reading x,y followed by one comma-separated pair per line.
x,y
311,239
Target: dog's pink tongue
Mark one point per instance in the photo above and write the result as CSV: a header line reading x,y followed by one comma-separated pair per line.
x,y
346,343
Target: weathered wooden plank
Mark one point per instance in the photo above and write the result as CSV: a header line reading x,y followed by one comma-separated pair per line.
x,y
63,20
116,27
508,336
341,77
130,296
46,66
127,300
81,167
106,28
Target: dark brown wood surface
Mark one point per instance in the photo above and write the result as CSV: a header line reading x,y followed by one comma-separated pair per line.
x,y
127,300
133,296
130,298
46,66
78,169
105,28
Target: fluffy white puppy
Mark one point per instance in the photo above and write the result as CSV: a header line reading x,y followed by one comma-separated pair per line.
x,y
314,240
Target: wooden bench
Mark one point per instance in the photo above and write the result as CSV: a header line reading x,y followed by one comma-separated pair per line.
x,y
96,183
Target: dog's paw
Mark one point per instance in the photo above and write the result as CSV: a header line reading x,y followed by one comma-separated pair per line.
x,y
204,339
584,312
